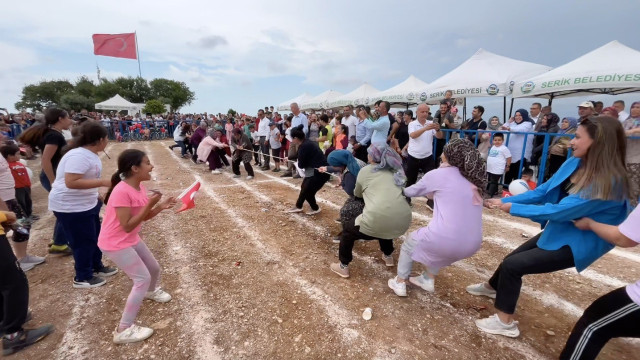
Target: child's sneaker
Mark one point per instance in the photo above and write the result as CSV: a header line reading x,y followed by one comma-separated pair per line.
x,y
481,290
216,172
427,284
388,260
493,325
60,249
399,288
24,338
91,283
158,295
106,271
132,334
342,270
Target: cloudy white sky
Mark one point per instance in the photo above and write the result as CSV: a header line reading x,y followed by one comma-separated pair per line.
x,y
249,54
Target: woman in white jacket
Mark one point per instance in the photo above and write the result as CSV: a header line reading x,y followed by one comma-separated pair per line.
x,y
520,123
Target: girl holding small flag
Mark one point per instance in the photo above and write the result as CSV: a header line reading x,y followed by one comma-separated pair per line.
x,y
127,207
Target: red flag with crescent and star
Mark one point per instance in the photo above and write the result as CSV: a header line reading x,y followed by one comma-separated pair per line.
x,y
116,45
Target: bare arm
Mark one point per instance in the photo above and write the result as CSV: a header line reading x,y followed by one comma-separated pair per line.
x,y
610,233
75,181
45,161
394,129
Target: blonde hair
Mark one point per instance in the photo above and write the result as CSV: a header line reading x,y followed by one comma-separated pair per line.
x,y
602,173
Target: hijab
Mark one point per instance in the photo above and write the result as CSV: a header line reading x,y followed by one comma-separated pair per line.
x,y
386,158
495,128
463,154
344,158
573,124
525,115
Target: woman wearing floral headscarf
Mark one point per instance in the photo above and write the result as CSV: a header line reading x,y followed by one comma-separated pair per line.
x,y
386,213
549,124
456,188
558,149
632,128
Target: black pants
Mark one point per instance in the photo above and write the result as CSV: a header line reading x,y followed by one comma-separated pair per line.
x,y
611,316
223,156
256,155
361,154
310,186
23,196
493,182
235,166
351,233
527,259
555,161
512,174
440,143
264,148
414,166
14,290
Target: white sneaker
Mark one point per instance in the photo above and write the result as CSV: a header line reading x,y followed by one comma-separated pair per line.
x,y
427,284
481,290
399,288
32,259
158,295
132,334
388,260
313,212
294,210
493,325
249,177
216,172
26,266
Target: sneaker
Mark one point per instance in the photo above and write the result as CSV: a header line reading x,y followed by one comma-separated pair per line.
x,y
399,288
249,177
336,239
91,283
421,281
158,295
171,147
25,338
340,269
430,204
313,212
286,174
388,260
194,160
481,290
26,266
276,170
60,249
294,210
106,271
236,176
31,259
493,325
217,172
132,334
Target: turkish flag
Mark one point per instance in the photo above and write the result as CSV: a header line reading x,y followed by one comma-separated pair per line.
x,y
188,195
116,45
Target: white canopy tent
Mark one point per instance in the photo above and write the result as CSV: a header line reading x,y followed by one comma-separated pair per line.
x,y
119,103
407,93
320,101
360,96
286,106
610,69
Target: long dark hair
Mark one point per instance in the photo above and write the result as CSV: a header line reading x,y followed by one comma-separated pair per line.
x,y
126,161
33,135
89,133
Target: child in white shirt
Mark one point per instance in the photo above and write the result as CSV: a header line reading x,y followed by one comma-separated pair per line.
x,y
498,161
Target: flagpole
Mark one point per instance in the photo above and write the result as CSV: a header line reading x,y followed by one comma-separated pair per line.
x,y
138,54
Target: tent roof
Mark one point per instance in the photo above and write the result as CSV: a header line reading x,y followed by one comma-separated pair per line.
x,y
410,91
117,102
610,69
286,105
320,101
360,96
483,74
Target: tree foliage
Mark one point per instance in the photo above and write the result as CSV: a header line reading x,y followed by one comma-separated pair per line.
x,y
231,112
84,93
154,107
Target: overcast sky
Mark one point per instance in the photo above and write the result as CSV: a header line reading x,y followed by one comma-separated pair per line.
x,y
250,54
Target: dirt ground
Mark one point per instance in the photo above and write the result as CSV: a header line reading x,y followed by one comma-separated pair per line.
x,y
251,282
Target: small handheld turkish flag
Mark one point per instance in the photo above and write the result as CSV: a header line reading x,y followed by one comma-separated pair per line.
x,y
187,197
116,45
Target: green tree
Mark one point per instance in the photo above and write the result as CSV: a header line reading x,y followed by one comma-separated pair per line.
x,y
177,92
85,87
154,107
106,90
231,112
43,94
77,102
136,90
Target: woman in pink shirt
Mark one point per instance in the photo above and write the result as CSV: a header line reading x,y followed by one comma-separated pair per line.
x,y
127,207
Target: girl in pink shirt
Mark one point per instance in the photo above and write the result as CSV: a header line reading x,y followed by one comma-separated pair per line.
x,y
127,207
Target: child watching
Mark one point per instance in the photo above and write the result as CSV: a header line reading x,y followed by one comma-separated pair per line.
x,y
527,175
352,142
274,143
256,144
498,162
23,183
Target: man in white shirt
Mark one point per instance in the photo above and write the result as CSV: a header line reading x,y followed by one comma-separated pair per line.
x,y
535,112
349,120
299,118
420,145
263,133
622,115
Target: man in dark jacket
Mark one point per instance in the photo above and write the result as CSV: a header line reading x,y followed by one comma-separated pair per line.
x,y
242,147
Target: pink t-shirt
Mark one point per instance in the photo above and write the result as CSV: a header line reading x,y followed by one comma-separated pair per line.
x,y
631,229
112,236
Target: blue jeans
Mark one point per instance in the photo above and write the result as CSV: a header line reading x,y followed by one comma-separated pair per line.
x,y
183,147
58,232
82,229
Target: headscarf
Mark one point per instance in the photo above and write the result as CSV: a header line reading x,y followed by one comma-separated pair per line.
x,y
344,158
525,115
386,158
573,123
612,110
463,154
491,127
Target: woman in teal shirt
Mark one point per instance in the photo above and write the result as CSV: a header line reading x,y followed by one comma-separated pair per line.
x,y
593,183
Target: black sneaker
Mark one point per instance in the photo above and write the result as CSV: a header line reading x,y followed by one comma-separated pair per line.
x,y
24,339
106,271
91,283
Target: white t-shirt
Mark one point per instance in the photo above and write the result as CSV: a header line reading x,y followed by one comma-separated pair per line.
x,y
7,183
65,200
631,229
497,159
177,134
422,146
623,115
351,123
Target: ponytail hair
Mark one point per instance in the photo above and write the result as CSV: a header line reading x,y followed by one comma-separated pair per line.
x,y
34,134
126,161
89,133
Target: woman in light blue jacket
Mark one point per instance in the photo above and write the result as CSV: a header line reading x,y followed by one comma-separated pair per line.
x,y
593,183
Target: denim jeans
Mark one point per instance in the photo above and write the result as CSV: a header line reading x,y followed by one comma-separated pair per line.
x,y
58,232
183,147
